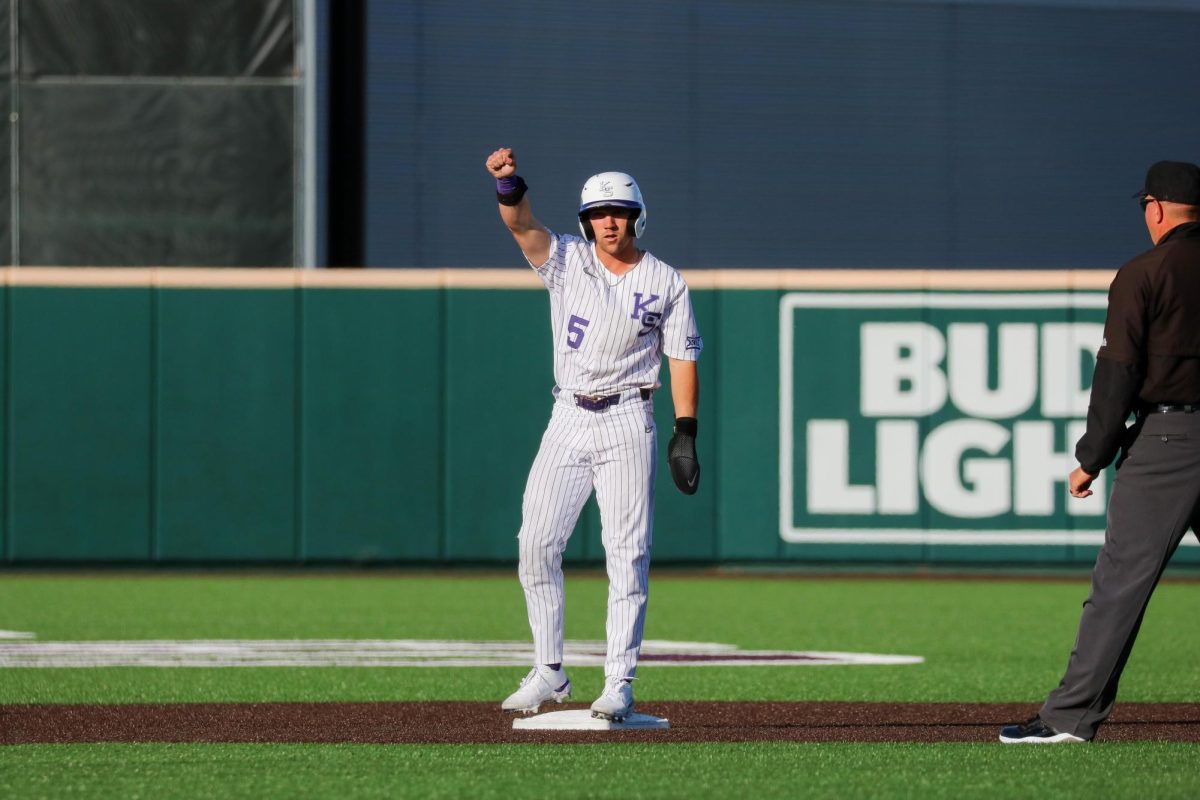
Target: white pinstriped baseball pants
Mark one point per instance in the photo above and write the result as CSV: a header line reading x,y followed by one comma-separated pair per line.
x,y
614,452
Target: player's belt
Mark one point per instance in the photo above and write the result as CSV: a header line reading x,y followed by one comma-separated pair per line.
x,y
601,402
1169,408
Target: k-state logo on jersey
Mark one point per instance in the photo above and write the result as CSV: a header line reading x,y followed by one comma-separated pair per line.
x,y
641,309
650,321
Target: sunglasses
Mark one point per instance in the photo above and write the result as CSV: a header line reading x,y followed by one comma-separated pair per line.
x,y
1145,201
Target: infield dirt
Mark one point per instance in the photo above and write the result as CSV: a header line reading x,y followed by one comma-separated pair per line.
x,y
462,723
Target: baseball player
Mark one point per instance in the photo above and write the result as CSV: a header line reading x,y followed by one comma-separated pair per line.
x,y
615,311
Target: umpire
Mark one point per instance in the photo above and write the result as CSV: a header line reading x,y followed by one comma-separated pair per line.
x,y
1148,364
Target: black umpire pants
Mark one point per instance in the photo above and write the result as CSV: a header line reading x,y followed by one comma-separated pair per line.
x,y
1154,500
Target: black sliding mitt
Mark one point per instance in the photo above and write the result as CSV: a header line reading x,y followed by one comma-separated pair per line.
x,y
681,456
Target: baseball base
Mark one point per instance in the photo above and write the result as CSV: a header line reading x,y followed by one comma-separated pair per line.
x,y
582,720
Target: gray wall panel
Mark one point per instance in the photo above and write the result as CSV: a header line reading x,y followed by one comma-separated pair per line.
x,y
6,99
5,39
160,174
830,121
783,134
1057,113
155,132
6,196
157,37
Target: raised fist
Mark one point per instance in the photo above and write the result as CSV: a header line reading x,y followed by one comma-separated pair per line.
x,y
502,163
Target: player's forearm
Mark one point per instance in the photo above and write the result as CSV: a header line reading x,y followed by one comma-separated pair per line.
x,y
532,236
519,218
685,387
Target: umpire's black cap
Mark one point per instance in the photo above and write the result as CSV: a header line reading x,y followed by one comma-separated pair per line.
x,y
1173,181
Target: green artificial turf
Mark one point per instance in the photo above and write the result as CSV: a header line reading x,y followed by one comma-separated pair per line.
x,y
755,770
983,640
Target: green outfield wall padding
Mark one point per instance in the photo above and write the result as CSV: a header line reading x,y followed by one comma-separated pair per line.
x,y
370,442
6,440
226,425
497,399
267,420
79,465
745,444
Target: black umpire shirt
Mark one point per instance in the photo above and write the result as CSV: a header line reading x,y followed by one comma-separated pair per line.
x,y
1151,348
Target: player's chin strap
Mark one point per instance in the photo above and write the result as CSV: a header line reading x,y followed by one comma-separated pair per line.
x,y
681,455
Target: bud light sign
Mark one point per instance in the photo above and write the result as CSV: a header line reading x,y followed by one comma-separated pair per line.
x,y
936,417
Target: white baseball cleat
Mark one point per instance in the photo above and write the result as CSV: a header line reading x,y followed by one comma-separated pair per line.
x,y
541,685
616,703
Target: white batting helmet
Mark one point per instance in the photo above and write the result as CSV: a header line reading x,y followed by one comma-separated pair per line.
x,y
612,190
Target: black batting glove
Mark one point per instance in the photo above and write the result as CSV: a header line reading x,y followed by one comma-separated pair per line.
x,y
681,456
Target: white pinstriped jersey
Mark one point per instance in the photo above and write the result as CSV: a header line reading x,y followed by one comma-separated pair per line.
x,y
610,333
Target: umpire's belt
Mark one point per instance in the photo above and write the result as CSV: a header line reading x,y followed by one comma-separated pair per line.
x,y
601,402
1168,408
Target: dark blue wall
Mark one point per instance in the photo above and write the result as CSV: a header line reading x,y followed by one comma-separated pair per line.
x,y
766,133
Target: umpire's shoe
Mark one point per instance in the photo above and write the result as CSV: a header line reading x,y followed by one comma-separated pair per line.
x,y
616,703
1035,731
541,685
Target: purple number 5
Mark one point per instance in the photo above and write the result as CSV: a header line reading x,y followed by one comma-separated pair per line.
x,y
575,326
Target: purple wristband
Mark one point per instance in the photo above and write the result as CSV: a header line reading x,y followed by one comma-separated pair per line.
x,y
510,190
507,185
